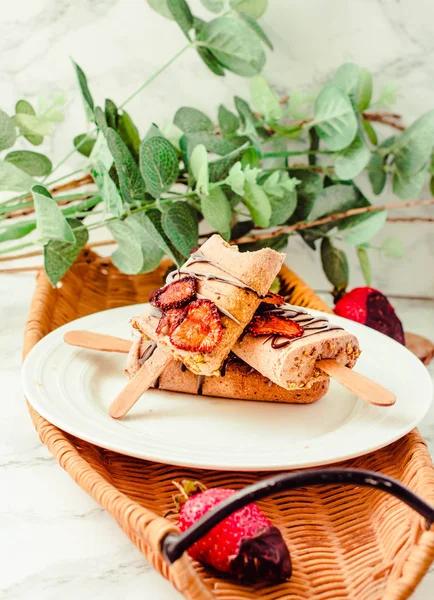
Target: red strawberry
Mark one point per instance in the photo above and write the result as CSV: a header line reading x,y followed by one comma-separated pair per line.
x,y
201,328
372,308
268,323
246,544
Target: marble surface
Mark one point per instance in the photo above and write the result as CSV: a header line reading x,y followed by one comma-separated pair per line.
x,y
55,541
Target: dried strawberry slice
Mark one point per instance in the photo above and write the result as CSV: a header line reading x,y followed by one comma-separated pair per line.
x,y
201,330
270,324
272,298
176,294
170,320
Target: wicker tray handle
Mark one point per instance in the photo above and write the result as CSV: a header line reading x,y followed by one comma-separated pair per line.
x,y
174,545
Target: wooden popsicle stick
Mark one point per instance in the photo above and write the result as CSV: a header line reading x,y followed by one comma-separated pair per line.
x,y
149,372
358,384
97,341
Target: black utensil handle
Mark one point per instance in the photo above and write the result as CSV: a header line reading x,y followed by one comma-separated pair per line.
x,y
174,545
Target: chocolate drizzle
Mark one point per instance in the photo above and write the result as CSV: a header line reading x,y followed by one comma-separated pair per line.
x,y
200,380
310,324
147,353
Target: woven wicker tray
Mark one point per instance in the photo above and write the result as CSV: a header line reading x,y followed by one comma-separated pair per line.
x,y
345,542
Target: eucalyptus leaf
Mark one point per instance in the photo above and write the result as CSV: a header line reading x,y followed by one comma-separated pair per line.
x,y
346,79
251,157
393,247
412,148
234,45
181,227
335,120
219,169
24,107
60,256
51,224
264,99
214,6
408,186
210,60
253,8
258,204
311,184
85,92
132,186
8,133
129,133
151,252
33,163
128,256
281,190
333,199
182,15
158,164
13,179
101,153
160,6
152,222
101,120
364,92
370,132
376,173
334,264
257,29
199,167
364,231
32,125
83,144
365,265
15,231
217,211
211,141
352,160
110,113
191,120
112,199
228,122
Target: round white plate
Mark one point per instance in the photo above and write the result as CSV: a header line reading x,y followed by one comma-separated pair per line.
x,y
73,388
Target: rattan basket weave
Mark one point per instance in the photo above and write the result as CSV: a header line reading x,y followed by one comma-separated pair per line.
x,y
346,543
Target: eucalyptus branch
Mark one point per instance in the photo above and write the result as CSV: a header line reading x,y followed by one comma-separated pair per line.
x,y
384,118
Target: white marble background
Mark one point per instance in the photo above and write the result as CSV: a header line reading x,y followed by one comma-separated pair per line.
x,y
55,542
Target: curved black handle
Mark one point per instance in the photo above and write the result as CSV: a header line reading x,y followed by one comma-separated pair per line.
x,y
173,545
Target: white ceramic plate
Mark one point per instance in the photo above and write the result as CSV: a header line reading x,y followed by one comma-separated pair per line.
x,y
73,388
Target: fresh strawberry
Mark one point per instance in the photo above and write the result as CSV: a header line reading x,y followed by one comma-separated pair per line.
x,y
176,294
246,544
272,298
372,308
201,329
170,319
268,323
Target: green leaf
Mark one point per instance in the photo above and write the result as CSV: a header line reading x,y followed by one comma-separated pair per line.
x,y
351,161
253,8
431,185
311,184
377,175
281,190
258,204
8,133
199,167
393,247
60,256
24,107
13,179
86,147
191,120
181,227
32,125
408,186
128,256
219,169
264,99
346,79
334,264
413,147
236,179
214,6
33,163
160,6
112,200
50,221
335,121
85,92
15,231
128,132
251,157
101,120
152,222
234,45
110,113
211,141
333,199
101,153
365,229
159,165
257,29
217,211
364,93
370,132
210,60
182,15
365,265
151,252
131,183
228,122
